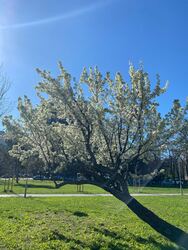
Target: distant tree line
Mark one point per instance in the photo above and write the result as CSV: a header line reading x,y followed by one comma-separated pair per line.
x,y
169,168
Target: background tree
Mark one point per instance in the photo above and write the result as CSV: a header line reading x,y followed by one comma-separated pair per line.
x,y
185,150
181,150
105,128
4,87
4,107
178,151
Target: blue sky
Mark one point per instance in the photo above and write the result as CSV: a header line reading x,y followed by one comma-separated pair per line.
x,y
106,33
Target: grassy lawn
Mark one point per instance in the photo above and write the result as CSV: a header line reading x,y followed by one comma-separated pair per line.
x,y
45,187
155,190
48,187
85,223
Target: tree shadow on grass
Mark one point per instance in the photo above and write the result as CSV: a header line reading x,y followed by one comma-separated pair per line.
x,y
150,240
107,232
80,214
105,237
56,235
35,186
116,245
160,245
116,241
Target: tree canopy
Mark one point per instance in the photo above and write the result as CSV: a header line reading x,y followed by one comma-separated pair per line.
x,y
106,127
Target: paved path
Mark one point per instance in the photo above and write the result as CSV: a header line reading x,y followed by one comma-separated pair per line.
x,y
81,195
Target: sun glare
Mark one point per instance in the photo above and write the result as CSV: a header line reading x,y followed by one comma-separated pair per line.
x,y
67,15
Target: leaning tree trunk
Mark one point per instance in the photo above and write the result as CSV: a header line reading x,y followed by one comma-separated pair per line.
x,y
166,229
171,232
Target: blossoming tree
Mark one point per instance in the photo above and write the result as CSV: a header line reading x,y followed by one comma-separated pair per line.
x,y
104,127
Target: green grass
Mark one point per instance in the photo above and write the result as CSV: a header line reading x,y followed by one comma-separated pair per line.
x,y
85,223
47,187
157,190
